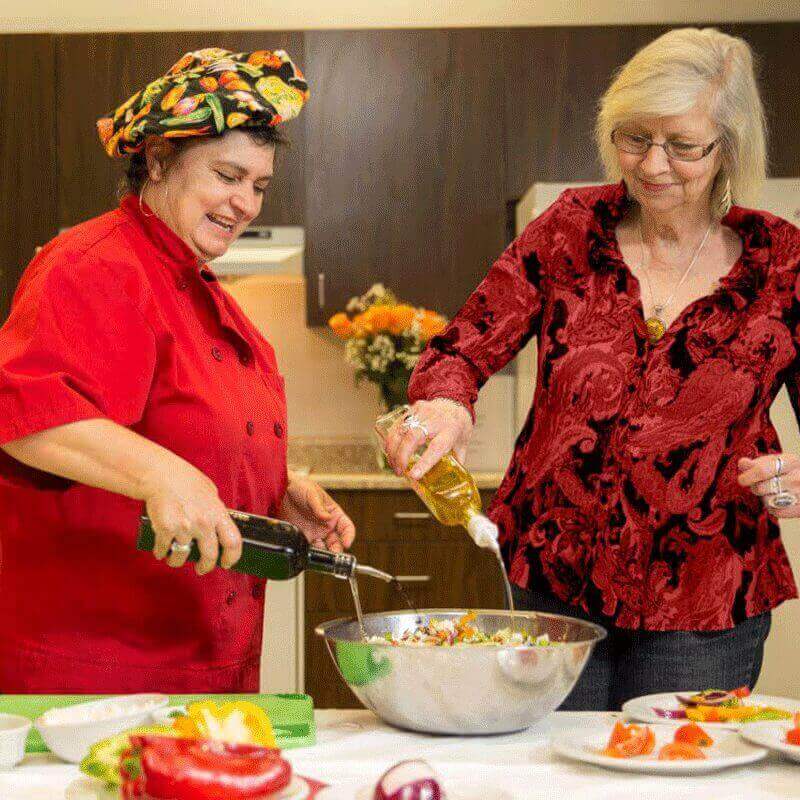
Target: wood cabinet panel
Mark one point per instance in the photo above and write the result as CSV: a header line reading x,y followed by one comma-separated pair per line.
x,y
98,71
554,78
28,109
404,164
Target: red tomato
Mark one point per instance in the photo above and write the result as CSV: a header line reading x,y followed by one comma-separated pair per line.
x,y
679,751
693,734
742,691
627,741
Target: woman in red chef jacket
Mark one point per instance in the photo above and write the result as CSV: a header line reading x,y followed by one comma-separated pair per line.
x,y
130,381
644,485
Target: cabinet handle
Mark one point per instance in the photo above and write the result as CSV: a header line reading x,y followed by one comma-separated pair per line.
x,y
412,578
406,515
321,289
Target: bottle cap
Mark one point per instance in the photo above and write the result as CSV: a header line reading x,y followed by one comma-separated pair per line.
x,y
483,531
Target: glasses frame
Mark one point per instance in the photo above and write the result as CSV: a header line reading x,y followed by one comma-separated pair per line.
x,y
706,149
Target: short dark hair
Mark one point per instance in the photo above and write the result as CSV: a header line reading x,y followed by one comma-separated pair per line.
x,y
136,172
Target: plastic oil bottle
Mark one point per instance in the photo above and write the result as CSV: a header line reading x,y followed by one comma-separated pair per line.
x,y
451,494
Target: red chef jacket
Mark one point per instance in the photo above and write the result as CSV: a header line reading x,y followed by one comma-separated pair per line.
x,y
118,319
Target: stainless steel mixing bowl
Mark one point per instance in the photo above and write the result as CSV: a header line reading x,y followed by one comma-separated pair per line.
x,y
466,689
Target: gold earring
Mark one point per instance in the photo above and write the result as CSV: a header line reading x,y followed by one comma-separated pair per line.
x,y
141,192
726,200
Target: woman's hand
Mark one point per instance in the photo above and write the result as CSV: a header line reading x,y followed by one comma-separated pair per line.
x,y
758,475
448,425
308,506
185,505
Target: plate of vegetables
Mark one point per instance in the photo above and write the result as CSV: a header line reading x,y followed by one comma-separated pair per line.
x,y
713,707
781,737
663,750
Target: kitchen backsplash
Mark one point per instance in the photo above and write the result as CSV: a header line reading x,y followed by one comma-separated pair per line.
x,y
323,401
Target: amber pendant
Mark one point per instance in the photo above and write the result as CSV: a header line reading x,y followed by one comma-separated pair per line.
x,y
655,328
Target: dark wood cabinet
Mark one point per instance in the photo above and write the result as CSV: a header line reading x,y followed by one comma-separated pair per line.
x,y
395,534
404,165
96,72
29,107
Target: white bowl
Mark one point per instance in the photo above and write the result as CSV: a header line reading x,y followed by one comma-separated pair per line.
x,y
69,732
13,734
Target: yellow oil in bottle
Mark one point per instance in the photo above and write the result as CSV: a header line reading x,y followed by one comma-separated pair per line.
x,y
451,494
449,491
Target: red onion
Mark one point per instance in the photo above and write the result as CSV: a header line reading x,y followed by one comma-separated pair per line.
x,y
409,780
712,697
669,713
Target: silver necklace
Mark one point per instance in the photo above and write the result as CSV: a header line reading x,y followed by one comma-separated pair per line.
x,y
656,326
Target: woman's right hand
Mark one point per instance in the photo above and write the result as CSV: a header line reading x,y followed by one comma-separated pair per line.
x,y
449,427
185,505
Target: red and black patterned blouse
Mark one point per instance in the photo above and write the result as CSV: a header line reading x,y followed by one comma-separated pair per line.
x,y
621,495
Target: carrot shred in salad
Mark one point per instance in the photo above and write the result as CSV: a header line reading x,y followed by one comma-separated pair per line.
x,y
448,632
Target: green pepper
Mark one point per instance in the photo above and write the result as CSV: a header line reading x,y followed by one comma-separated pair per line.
x,y
249,69
216,107
200,115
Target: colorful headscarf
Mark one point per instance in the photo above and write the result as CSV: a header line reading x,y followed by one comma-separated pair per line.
x,y
204,94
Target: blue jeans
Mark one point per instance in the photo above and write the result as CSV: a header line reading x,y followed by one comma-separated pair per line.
x,y
629,664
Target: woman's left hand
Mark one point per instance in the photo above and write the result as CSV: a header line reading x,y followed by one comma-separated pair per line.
x,y
759,476
308,506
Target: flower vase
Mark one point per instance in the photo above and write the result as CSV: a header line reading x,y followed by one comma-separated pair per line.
x,y
393,395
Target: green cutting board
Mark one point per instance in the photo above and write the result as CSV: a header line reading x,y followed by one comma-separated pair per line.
x,y
292,715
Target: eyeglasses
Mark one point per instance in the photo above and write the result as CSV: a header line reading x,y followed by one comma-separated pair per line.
x,y
676,151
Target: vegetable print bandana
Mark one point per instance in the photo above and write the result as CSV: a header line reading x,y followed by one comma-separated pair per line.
x,y
207,93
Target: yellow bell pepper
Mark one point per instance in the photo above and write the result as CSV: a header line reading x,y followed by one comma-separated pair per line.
x,y
239,722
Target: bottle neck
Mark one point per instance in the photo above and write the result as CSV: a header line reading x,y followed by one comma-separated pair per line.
x,y
482,530
340,565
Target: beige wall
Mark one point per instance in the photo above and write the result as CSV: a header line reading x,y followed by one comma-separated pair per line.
x,y
101,15
320,392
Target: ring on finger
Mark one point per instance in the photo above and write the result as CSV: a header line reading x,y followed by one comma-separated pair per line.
x,y
781,500
413,423
177,548
778,466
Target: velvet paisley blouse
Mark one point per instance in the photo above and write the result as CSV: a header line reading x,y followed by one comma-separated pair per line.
x,y
621,496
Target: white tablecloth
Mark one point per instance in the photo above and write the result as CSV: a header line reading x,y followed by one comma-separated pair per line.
x,y
353,749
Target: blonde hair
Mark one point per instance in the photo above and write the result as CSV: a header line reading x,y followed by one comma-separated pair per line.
x,y
670,76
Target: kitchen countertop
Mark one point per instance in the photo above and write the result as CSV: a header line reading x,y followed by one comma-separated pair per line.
x,y
354,748
351,463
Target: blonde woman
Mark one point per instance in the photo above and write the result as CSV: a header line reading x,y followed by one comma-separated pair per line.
x,y
645,484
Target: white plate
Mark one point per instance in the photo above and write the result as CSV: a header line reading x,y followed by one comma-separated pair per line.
x,y
586,743
773,736
641,709
70,731
93,789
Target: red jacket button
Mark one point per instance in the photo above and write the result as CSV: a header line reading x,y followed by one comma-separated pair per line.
x,y
278,428
251,428
217,353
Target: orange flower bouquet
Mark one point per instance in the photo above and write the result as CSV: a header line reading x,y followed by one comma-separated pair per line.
x,y
384,338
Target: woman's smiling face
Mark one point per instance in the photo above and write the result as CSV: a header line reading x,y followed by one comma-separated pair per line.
x,y
661,184
212,190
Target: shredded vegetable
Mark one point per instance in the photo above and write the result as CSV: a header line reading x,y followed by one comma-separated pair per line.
x,y
447,633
